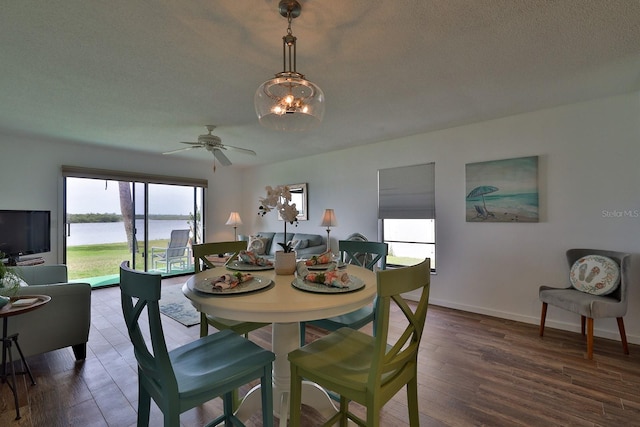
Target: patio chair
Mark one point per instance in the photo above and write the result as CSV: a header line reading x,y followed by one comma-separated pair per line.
x,y
194,373
365,254
176,252
365,369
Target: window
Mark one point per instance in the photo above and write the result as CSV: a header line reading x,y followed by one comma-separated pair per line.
x,y
111,216
406,209
410,241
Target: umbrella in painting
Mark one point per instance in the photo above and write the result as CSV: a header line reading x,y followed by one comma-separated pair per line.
x,y
481,191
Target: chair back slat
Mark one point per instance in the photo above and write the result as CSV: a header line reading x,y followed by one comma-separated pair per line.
x,y
364,253
202,250
397,358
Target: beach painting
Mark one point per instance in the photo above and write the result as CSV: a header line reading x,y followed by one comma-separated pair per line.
x,y
502,190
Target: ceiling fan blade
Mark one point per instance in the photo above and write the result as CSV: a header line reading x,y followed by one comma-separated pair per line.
x,y
221,157
183,149
241,150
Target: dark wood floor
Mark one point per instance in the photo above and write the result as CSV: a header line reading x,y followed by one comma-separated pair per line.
x,y
474,371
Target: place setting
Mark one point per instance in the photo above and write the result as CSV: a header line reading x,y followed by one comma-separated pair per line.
x,y
323,275
229,283
249,261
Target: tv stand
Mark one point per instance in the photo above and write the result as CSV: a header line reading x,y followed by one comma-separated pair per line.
x,y
17,261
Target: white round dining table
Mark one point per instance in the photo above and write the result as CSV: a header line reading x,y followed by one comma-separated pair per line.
x,y
285,306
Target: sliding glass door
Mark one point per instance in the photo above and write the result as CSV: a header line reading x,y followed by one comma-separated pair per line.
x,y
171,228
150,225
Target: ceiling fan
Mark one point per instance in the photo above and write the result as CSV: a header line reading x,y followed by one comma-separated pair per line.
x,y
214,144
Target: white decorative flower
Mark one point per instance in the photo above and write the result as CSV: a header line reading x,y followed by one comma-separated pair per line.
x,y
279,198
289,213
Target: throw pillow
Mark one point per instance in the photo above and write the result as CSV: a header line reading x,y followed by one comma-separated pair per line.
x,y
299,244
257,244
595,274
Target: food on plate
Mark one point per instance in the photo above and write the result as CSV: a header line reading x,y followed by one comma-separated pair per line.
x,y
324,258
250,257
230,281
334,278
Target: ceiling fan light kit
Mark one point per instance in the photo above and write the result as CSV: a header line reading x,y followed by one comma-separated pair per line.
x,y
289,102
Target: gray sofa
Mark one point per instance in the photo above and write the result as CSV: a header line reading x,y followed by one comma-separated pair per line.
x,y
315,244
62,322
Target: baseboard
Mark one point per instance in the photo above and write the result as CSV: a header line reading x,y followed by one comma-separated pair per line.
x,y
603,333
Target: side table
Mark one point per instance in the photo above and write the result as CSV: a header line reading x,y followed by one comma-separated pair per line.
x,y
13,309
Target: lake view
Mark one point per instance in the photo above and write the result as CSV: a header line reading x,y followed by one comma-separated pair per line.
x,y
113,232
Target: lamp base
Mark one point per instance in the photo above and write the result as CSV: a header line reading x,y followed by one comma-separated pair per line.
x,y
328,240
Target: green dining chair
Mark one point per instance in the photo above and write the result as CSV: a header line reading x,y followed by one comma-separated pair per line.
x,y
200,253
365,369
365,254
190,375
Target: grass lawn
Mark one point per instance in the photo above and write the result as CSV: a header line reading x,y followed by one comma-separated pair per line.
x,y
102,260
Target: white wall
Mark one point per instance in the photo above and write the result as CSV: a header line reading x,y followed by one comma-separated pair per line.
x,y
588,164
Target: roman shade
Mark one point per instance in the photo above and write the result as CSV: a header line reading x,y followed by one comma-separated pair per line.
x,y
407,192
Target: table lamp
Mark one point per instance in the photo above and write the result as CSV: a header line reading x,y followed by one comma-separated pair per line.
x,y
329,220
234,219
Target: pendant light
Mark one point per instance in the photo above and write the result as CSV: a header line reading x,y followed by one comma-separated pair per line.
x,y
289,102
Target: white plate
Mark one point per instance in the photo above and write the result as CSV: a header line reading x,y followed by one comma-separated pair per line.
x,y
241,266
355,284
205,285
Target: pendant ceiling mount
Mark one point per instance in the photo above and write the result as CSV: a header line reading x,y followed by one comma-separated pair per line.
x,y
289,102
289,7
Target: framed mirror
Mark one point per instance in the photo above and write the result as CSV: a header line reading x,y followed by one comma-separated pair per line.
x,y
299,197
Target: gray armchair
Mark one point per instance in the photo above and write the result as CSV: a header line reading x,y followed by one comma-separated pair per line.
x,y
589,306
62,322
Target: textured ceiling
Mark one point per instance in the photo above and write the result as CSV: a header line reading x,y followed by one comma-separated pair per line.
x,y
145,75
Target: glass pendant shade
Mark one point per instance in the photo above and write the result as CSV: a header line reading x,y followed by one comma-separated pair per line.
x,y
289,102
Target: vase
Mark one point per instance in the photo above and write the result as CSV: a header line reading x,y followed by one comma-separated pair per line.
x,y
285,263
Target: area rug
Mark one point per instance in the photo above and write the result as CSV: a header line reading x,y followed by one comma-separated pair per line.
x,y
174,304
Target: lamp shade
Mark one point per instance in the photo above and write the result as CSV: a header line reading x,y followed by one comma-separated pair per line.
x,y
329,218
234,219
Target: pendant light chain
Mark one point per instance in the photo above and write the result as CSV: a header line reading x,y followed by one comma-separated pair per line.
x,y
289,41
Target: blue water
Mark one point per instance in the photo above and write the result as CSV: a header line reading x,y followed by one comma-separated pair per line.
x,y
113,232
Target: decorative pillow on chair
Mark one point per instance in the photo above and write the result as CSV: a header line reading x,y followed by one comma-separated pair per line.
x,y
257,244
595,274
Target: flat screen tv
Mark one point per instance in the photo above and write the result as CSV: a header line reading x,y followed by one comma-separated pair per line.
x,y
24,232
